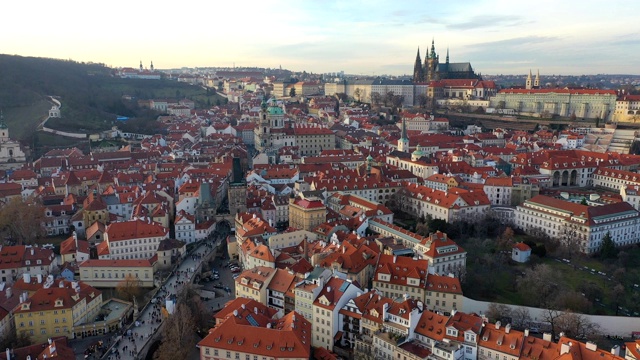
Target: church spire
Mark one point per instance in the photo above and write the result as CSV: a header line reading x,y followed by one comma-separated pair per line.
x,y
418,74
404,129
529,83
447,54
141,68
536,82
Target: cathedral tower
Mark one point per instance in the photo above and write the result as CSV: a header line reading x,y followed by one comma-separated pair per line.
x,y
431,72
529,83
536,82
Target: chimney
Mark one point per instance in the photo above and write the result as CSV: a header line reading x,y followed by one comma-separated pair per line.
x,y
8,293
507,328
33,251
255,310
395,257
498,323
546,336
26,277
39,276
526,332
565,348
592,346
615,350
328,289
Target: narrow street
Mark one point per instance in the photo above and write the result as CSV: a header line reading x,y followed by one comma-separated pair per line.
x,y
135,337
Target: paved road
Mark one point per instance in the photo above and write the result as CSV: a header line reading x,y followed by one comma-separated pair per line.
x,y
149,320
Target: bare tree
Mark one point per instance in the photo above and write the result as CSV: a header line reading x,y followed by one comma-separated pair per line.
x,y
551,316
129,288
576,326
23,220
521,317
357,94
191,298
178,337
397,101
496,311
376,98
422,100
388,98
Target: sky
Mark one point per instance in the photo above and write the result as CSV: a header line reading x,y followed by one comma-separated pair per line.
x,y
368,37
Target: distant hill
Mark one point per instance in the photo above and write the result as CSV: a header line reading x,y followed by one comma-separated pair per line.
x,y
91,96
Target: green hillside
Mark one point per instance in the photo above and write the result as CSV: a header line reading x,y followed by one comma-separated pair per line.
x,y
91,97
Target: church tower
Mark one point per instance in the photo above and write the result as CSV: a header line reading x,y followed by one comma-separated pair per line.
x,y
418,74
403,143
529,83
141,67
4,129
237,191
262,132
536,82
151,67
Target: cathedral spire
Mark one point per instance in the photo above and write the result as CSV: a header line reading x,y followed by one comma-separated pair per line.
x,y
536,82
433,48
418,74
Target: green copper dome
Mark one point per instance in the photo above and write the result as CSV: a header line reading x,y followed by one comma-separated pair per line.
x,y
418,152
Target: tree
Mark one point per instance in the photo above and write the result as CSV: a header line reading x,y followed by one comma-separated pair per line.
x,y
376,98
608,247
191,298
576,326
537,286
397,101
617,296
22,220
178,336
292,92
551,316
572,300
505,241
422,100
584,201
129,288
357,94
14,340
388,98
496,311
521,317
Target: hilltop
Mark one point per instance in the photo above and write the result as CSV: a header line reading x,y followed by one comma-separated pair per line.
x,y
91,96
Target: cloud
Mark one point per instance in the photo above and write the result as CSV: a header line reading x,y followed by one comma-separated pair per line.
x,y
488,21
626,39
518,41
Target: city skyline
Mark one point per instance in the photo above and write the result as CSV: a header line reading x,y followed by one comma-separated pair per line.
x,y
359,37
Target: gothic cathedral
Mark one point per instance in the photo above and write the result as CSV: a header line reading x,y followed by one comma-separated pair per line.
x,y
432,69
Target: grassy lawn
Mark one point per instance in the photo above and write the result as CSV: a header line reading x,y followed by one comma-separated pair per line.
x,y
23,120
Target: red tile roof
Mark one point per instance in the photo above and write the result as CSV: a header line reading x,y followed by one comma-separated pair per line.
x,y
135,229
